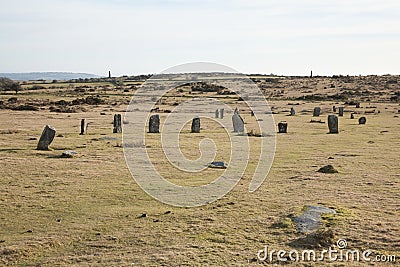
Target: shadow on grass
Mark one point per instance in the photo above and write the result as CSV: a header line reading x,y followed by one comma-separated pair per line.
x,y
11,150
318,239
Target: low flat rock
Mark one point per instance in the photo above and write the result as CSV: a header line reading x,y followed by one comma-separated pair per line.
x,y
217,164
310,219
69,154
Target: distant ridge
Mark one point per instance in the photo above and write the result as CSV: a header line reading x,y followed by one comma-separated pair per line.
x,y
31,76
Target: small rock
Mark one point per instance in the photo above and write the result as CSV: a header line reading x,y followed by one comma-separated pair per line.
x,y
217,164
327,169
362,120
144,215
12,100
69,154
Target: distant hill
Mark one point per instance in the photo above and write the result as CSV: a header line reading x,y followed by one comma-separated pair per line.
x,y
31,76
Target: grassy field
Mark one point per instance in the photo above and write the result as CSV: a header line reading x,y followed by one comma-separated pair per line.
x,y
88,210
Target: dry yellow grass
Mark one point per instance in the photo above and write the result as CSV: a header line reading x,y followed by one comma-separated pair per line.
x,y
88,210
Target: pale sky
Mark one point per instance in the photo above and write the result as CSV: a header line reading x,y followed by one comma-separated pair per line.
x,y
289,37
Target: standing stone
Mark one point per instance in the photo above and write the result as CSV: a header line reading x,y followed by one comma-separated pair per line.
x,y
352,116
196,125
362,120
317,111
341,109
292,111
83,127
46,138
334,108
236,111
252,113
154,124
333,124
217,113
357,105
282,127
221,113
238,123
117,123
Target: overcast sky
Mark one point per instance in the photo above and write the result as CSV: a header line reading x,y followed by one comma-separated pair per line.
x,y
288,37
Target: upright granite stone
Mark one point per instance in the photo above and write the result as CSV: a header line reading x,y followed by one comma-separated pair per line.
x,y
362,120
352,116
221,113
334,109
341,109
292,111
196,125
333,124
83,127
46,138
317,111
358,105
252,113
282,127
117,123
154,124
217,113
238,123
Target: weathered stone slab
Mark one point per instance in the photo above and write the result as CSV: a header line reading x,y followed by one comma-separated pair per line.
x,y
217,113
317,111
117,123
333,124
196,125
154,124
238,123
46,138
341,110
282,127
83,127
